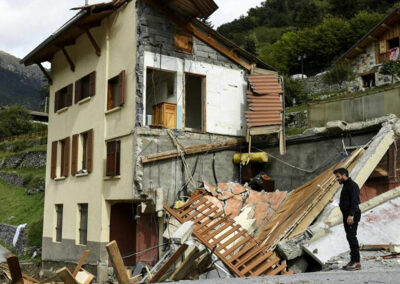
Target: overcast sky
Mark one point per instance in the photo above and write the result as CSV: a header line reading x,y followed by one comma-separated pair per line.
x,y
26,23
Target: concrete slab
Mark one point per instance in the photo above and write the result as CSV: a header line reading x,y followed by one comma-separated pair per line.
x,y
380,225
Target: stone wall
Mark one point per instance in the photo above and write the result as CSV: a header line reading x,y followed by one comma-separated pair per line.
x,y
24,160
298,119
7,233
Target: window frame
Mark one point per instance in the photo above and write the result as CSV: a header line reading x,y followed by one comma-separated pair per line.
x,y
113,159
120,81
80,88
83,219
63,98
59,222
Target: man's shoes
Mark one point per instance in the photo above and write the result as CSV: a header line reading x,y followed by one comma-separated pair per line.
x,y
352,266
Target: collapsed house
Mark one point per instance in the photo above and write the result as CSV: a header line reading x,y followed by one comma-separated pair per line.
x,y
135,88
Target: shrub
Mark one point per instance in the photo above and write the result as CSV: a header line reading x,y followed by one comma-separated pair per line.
x,y
14,120
339,74
294,89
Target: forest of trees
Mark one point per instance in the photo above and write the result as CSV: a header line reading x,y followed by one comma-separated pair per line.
x,y
279,31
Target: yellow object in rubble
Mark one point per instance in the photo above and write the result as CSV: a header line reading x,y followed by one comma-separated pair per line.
x,y
245,158
179,204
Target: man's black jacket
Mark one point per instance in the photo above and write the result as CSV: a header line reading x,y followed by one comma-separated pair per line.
x,y
349,198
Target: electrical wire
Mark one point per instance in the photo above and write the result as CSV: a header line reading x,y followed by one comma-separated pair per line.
x,y
296,167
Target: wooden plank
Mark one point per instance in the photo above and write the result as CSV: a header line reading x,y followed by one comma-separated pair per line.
x,y
209,212
249,256
199,211
237,246
265,267
65,275
183,269
279,269
15,269
258,260
169,263
84,256
214,225
226,235
192,150
223,227
231,240
117,262
208,221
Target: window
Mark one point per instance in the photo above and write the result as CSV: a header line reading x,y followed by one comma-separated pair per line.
x,y
82,153
392,43
59,217
63,98
113,158
116,91
85,87
183,41
60,158
83,223
194,102
368,80
161,93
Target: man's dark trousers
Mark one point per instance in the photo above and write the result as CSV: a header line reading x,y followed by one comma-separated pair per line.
x,y
351,235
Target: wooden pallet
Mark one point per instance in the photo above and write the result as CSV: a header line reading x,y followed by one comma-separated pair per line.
x,y
228,240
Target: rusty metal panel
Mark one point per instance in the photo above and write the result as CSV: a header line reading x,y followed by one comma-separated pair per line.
x,y
147,239
264,101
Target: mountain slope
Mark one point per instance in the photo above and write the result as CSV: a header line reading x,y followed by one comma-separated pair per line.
x,y
19,84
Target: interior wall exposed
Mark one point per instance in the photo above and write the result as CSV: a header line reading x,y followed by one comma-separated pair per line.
x,y
161,88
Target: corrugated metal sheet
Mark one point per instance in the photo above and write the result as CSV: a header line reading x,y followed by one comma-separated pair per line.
x,y
264,101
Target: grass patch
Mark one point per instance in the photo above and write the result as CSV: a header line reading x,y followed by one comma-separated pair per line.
x,y
290,131
296,108
17,208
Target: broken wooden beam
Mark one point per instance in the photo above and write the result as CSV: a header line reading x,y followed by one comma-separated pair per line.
x,y
78,267
191,150
184,268
15,269
375,247
160,273
117,262
66,276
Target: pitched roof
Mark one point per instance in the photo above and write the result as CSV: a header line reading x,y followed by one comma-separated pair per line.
x,y
371,36
91,16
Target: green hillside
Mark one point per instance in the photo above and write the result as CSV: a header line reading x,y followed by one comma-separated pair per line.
x,y
279,31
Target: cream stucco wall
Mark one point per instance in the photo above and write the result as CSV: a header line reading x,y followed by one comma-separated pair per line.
x,y
116,37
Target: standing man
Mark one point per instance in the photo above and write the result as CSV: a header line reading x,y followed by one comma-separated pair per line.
x,y
349,201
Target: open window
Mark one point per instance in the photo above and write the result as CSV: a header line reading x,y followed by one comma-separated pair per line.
x,y
116,91
85,87
393,42
194,102
60,158
113,158
82,153
368,80
161,98
63,98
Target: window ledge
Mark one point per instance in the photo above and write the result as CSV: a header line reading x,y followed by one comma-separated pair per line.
x,y
81,174
112,178
84,100
62,110
113,110
60,178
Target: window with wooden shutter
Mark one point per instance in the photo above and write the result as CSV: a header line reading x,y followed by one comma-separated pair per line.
x,y
113,158
183,41
89,151
116,91
83,224
63,98
85,87
59,219
74,163
65,157
53,166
